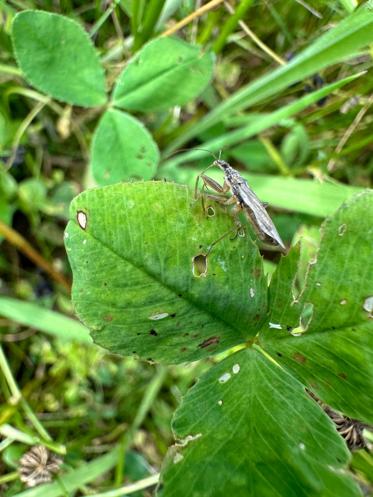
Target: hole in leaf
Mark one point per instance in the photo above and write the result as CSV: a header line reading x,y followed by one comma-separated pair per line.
x,y
81,217
158,316
199,265
210,211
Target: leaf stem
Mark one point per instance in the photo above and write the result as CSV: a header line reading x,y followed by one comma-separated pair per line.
x,y
4,68
9,477
21,129
131,488
97,25
147,401
17,397
275,155
231,23
254,37
153,11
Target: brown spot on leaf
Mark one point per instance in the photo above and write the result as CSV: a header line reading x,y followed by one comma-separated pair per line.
x,y
299,357
108,317
257,272
153,333
209,341
184,349
343,376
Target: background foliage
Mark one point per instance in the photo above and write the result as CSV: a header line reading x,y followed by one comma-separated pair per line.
x,y
77,110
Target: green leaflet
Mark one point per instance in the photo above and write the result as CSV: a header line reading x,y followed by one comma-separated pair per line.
x,y
138,251
58,58
248,429
333,354
166,72
122,149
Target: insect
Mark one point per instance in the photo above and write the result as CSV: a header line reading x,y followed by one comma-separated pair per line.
x,y
244,199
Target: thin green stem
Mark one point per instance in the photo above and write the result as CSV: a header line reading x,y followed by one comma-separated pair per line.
x,y
276,157
230,25
147,401
18,90
153,11
13,387
21,130
18,398
9,477
4,68
97,25
130,489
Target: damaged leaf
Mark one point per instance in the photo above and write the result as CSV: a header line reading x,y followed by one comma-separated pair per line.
x,y
333,356
135,284
248,428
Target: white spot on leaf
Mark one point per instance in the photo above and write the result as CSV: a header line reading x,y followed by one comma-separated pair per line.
x,y
187,439
82,219
302,446
84,241
178,457
157,317
368,306
297,332
236,369
252,293
225,377
342,229
66,235
276,326
343,302
222,264
220,402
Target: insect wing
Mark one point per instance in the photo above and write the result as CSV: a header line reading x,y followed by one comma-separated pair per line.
x,y
259,215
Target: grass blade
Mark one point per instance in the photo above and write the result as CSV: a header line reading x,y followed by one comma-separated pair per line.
x,y
258,125
37,317
339,43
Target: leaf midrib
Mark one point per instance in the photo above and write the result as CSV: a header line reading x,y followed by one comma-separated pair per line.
x,y
168,287
150,82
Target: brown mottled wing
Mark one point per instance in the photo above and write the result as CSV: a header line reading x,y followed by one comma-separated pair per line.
x,y
259,215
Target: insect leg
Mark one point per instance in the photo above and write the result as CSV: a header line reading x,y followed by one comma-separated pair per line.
x,y
211,246
202,176
208,183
